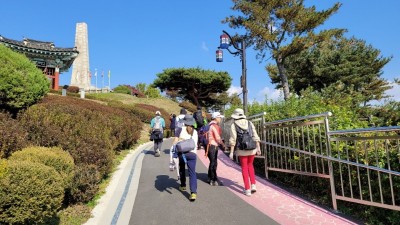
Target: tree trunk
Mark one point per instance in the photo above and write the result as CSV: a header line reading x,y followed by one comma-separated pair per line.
x,y
284,79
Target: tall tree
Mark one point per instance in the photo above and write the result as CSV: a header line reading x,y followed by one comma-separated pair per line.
x,y
352,62
281,27
194,84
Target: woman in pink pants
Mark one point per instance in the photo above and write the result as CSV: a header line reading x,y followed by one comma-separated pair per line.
x,y
246,157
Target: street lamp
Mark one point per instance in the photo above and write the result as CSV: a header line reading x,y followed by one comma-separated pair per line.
x,y
225,43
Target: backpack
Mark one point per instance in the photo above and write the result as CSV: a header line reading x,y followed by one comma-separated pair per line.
x,y
199,118
244,140
204,134
157,124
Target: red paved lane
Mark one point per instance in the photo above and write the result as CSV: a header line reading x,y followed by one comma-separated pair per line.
x,y
273,201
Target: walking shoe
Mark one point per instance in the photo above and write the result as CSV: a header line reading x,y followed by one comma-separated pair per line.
x,y
253,188
247,192
214,183
157,153
171,166
182,188
193,197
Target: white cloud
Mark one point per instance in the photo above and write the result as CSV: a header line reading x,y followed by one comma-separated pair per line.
x,y
270,94
234,90
204,46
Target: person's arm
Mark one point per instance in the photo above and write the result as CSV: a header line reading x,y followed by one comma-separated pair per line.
x,y
232,140
152,123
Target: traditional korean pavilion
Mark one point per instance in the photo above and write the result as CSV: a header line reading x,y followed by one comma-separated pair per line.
x,y
50,59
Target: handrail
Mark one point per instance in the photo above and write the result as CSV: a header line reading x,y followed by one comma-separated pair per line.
x,y
257,115
365,130
326,114
334,159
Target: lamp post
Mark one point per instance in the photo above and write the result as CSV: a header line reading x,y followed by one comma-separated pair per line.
x,y
225,43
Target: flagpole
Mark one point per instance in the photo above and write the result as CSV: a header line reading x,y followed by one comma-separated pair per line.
x,y
95,74
102,78
109,80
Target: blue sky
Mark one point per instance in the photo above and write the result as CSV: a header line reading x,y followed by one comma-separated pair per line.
x,y
138,39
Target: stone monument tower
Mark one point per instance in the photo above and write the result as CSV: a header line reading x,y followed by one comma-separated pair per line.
x,y
81,70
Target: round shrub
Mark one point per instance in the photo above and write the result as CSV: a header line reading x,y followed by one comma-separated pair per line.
x,y
54,157
85,184
30,193
73,89
13,136
21,83
123,89
75,214
89,131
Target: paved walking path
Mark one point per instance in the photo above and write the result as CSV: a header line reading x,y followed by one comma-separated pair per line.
x,y
143,191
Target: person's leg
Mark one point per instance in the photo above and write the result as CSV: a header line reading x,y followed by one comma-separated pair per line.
x,y
251,169
191,163
245,171
211,166
182,174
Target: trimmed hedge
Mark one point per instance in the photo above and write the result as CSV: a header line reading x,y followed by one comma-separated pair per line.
x,y
13,136
85,184
73,89
30,193
54,157
89,131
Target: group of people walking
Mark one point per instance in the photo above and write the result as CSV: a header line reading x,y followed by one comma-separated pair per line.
x,y
190,136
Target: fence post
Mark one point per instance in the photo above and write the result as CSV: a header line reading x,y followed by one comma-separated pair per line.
x,y
264,138
330,164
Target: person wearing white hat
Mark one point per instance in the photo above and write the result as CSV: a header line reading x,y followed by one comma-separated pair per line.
x,y
157,125
246,157
214,141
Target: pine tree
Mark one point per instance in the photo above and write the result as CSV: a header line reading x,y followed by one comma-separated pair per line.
x,y
281,28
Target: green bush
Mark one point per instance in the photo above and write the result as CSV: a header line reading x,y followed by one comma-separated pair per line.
x,y
21,83
123,89
30,193
13,136
54,157
74,215
85,184
89,131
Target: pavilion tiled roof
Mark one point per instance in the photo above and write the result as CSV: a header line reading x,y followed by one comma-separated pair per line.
x,y
37,45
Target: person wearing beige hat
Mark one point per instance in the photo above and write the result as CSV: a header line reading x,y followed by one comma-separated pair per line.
x,y
246,157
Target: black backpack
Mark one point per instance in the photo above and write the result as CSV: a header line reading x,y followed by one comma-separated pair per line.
x,y
199,119
244,139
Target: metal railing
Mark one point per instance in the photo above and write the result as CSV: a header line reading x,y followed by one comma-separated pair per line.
x,y
363,165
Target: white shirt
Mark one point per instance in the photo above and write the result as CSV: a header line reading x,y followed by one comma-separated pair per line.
x,y
185,135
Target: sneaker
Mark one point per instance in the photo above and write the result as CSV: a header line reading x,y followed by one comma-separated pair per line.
x,y
253,188
182,188
214,183
157,153
178,178
171,166
193,197
247,192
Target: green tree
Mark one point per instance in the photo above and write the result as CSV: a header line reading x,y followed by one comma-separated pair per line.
x,y
350,62
148,90
123,89
194,84
281,27
21,83
141,87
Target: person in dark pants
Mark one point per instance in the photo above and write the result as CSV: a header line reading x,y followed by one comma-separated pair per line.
x,y
172,126
188,158
214,141
157,125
